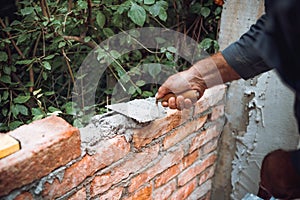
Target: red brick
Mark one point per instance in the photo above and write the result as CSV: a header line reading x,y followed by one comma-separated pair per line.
x,y
113,194
24,196
101,184
211,97
132,164
159,127
165,191
185,190
204,137
173,171
195,170
45,145
80,194
189,159
169,159
183,131
167,175
107,152
202,192
144,193
217,112
207,174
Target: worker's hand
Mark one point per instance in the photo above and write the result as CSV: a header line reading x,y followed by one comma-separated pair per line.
x,y
178,83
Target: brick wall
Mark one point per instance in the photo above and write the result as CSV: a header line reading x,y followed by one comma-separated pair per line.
x,y
170,158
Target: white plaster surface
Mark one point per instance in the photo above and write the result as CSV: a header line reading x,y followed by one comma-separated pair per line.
x,y
265,101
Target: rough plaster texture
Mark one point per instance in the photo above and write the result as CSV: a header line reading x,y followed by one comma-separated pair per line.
x,y
259,114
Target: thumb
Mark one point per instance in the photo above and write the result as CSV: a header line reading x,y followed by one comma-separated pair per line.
x,y
162,91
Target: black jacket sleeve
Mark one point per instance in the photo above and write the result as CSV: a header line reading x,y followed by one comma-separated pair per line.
x,y
242,55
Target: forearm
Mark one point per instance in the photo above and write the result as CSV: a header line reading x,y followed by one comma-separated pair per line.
x,y
243,57
214,70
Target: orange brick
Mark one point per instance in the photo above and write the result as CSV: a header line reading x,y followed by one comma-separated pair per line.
x,y
113,194
80,194
209,147
207,174
108,151
144,193
24,196
185,190
167,175
133,163
195,170
189,159
204,137
101,184
202,192
169,159
159,127
45,145
183,131
173,171
165,191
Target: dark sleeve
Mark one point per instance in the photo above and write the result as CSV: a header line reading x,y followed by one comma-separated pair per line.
x,y
243,57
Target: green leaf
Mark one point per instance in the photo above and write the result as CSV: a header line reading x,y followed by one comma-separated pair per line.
x,y
205,12
5,79
206,43
162,15
46,65
140,83
14,110
37,112
27,11
22,109
149,2
7,70
61,44
3,56
5,95
49,57
87,39
131,90
22,38
115,54
147,94
15,124
100,19
155,9
108,32
21,99
24,62
172,49
137,14
154,69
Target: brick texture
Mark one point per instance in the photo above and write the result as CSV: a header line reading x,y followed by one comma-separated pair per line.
x,y
159,127
108,152
132,164
182,132
165,191
164,163
45,145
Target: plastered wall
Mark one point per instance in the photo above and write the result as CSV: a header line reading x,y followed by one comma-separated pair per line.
x,y
259,113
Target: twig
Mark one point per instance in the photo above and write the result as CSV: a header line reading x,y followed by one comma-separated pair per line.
x,y
91,44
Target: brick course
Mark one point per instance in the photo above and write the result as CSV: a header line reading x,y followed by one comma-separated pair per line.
x,y
170,158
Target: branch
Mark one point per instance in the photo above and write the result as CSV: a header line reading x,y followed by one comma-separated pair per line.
x,y
90,44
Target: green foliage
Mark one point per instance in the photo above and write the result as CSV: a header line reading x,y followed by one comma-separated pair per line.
x,y
44,44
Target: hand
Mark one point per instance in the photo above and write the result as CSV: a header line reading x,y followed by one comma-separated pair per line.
x,y
206,73
178,83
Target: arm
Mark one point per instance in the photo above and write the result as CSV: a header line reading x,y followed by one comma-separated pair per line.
x,y
240,59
